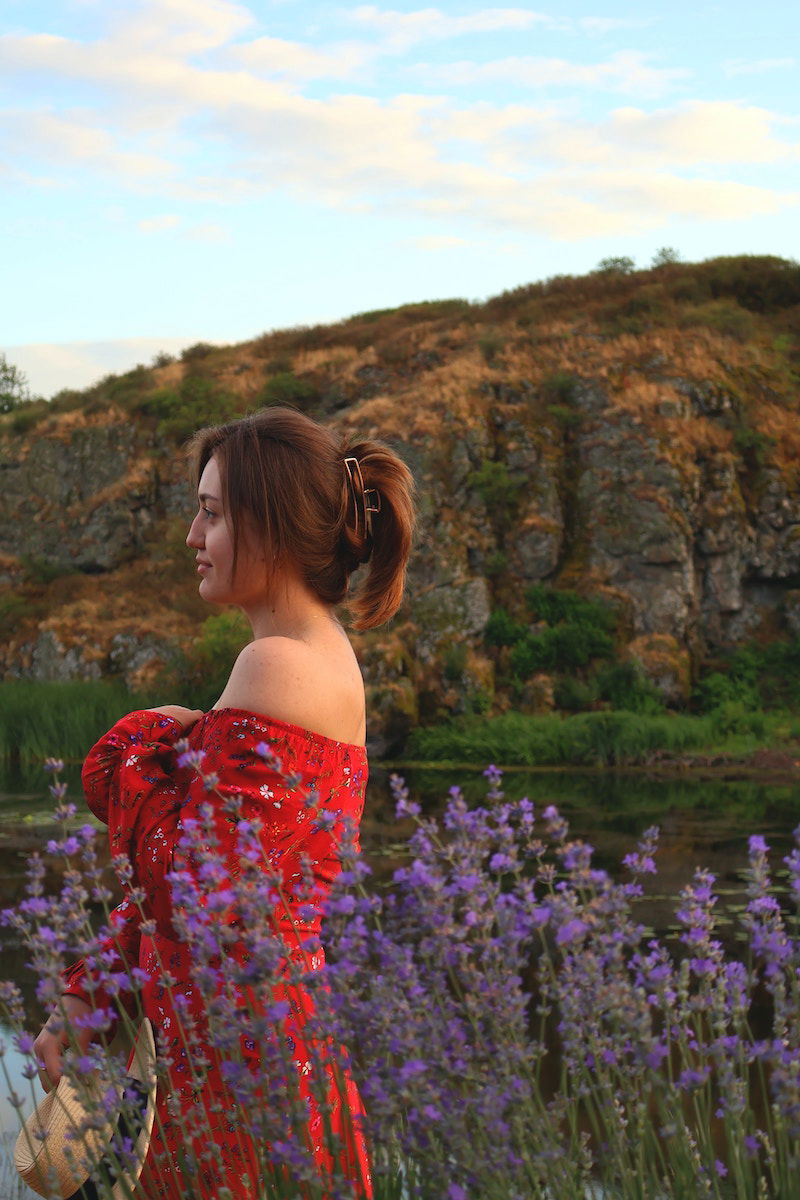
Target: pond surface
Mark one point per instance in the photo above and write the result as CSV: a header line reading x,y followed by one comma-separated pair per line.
x,y
704,822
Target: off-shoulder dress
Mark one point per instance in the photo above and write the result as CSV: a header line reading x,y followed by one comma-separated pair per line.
x,y
133,782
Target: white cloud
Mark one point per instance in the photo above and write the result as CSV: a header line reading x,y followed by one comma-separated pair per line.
x,y
49,367
519,166
626,71
718,131
437,242
209,231
70,140
297,61
661,195
185,27
401,30
159,224
757,66
602,25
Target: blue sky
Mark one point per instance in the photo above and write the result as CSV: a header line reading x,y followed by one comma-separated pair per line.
x,y
177,170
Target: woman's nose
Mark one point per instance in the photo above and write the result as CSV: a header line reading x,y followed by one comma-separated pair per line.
x,y
193,537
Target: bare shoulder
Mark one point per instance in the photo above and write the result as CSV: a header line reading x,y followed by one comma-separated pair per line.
x,y
292,681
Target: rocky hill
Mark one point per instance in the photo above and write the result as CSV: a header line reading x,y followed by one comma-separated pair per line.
x,y
630,437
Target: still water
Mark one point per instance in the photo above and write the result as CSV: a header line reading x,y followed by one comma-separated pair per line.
x,y
704,822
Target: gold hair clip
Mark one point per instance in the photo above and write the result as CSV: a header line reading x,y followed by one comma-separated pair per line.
x,y
366,501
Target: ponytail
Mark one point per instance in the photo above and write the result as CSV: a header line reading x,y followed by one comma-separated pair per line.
x,y
378,530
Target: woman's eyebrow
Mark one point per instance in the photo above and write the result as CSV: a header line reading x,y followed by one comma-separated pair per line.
x,y
206,496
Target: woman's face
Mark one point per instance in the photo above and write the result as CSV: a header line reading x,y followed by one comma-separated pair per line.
x,y
212,537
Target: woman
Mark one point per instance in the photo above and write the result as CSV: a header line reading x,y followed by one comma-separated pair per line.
x,y
286,513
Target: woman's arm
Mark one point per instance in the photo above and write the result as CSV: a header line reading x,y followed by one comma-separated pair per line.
x,y
83,988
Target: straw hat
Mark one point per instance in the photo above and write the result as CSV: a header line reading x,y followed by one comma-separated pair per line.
x,y
59,1165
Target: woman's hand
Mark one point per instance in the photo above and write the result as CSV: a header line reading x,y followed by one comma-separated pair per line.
x,y
54,1038
184,716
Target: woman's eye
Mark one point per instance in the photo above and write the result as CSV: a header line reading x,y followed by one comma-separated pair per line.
x,y
207,512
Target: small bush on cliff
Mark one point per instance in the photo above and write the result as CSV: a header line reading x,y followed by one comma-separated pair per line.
x,y
491,344
625,687
286,388
502,630
199,674
555,605
755,677
753,445
198,401
578,632
723,316
574,695
197,352
495,485
566,646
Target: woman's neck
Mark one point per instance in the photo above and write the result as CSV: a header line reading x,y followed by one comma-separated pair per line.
x,y
290,610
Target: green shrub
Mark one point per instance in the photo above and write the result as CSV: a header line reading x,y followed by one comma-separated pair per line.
x,y
198,351
199,675
26,416
574,695
619,264
559,387
771,671
561,647
501,630
753,445
279,364
491,344
286,388
454,661
496,564
566,418
67,400
723,316
196,402
665,257
760,283
42,570
756,677
554,605
625,687
13,608
735,717
494,484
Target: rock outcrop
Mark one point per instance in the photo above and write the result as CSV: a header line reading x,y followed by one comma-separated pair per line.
x,y
659,469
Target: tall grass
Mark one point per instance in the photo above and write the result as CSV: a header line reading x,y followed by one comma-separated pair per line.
x,y
35,717
585,739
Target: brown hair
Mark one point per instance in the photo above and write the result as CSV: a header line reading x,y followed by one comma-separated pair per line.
x,y
287,474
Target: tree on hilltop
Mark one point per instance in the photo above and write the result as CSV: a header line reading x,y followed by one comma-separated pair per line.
x,y
619,264
665,257
13,386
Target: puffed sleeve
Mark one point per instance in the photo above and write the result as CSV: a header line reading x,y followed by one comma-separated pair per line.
x,y
138,747
131,777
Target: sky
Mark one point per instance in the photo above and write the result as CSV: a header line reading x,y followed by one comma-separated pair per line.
x,y
182,170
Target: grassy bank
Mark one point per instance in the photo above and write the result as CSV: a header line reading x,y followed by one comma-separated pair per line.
x,y
599,738
63,720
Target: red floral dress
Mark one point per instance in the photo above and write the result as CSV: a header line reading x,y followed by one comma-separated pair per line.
x,y
133,782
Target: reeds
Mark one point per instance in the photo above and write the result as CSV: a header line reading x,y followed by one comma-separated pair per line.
x,y
34,717
586,739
